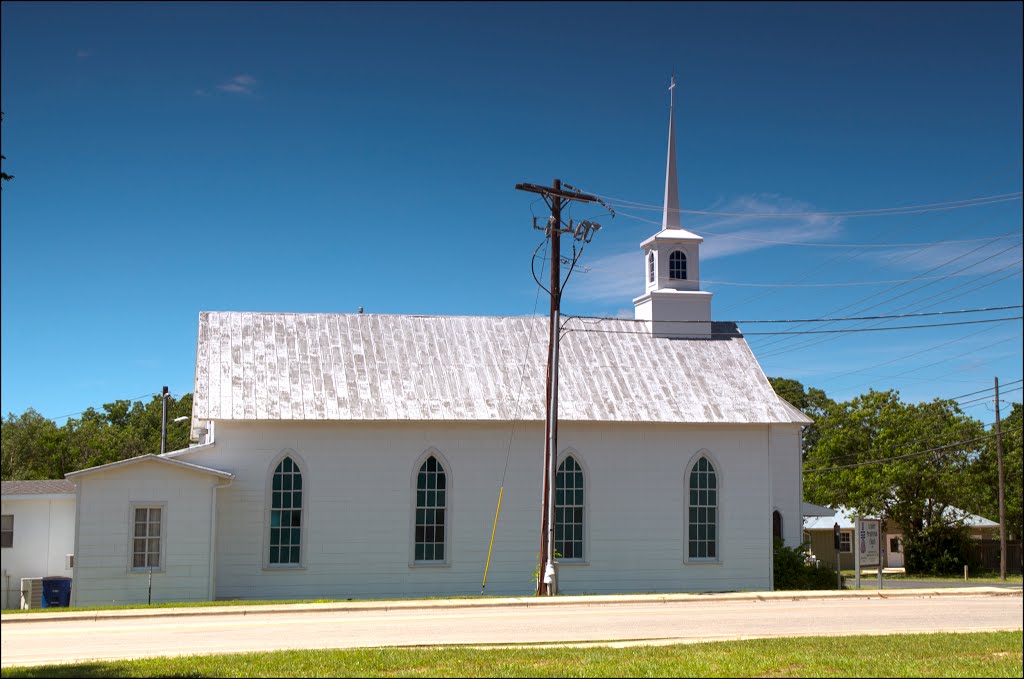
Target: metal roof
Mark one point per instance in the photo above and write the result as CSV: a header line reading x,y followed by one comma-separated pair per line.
x,y
292,366
845,518
38,487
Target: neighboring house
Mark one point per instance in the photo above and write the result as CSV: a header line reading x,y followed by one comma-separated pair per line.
x,y
818,532
361,455
37,532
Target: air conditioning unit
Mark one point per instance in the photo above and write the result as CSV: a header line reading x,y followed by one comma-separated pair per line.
x,y
69,561
31,593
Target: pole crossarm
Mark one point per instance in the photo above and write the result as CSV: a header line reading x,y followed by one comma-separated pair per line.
x,y
552,192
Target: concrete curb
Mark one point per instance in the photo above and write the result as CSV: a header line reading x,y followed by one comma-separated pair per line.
x,y
426,604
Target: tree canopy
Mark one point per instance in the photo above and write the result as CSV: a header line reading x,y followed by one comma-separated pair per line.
x,y
34,447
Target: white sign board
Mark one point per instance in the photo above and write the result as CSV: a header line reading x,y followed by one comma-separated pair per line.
x,y
869,542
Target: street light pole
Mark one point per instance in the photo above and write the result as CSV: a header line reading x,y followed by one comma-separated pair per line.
x,y
163,420
164,395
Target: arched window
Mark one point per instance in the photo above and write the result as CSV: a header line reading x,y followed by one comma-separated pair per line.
x,y
569,509
650,267
677,265
431,501
703,533
286,515
777,524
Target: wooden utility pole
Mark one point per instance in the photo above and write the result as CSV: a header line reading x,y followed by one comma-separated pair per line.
x,y
1002,502
556,195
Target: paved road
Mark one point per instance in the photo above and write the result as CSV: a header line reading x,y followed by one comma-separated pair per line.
x,y
32,643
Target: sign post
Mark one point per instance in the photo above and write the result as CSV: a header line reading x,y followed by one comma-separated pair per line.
x,y
839,566
869,546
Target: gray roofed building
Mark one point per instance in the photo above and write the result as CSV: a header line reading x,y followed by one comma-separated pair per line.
x,y
290,366
37,487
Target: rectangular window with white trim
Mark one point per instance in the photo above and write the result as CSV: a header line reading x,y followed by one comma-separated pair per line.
x,y
147,537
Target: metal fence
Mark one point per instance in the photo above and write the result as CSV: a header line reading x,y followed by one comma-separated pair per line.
x,y
986,554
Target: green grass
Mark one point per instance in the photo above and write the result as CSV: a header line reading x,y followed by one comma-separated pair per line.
x,y
983,654
986,577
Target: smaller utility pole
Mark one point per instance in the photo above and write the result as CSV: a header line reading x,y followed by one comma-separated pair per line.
x,y
1002,502
163,420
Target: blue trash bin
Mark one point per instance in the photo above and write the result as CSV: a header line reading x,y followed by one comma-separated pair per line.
x,y
56,591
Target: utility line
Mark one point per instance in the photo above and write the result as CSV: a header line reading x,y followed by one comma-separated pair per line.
x,y
981,399
902,294
721,234
949,296
877,212
980,391
821,320
803,332
133,398
943,360
905,457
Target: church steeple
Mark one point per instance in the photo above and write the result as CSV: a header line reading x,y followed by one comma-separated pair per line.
x,y
673,303
670,217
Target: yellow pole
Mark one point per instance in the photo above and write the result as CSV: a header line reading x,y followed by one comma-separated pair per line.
x,y
493,531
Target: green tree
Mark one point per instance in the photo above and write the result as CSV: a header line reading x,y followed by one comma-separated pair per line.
x,y
983,476
814,403
791,390
882,457
34,447
26,442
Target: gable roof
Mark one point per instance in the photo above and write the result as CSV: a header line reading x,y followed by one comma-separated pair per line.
x,y
287,366
159,459
37,487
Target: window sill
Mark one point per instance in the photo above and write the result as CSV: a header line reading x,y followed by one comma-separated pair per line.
x,y
575,562
702,562
145,571
288,567
429,564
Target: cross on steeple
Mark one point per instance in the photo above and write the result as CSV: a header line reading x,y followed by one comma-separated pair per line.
x,y
670,218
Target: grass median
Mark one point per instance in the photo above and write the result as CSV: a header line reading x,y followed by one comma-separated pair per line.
x,y
981,654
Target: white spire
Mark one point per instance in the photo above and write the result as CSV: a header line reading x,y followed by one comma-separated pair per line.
x,y
670,218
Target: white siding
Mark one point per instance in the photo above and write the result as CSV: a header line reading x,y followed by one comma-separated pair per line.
x,y
102,569
44,532
358,507
787,466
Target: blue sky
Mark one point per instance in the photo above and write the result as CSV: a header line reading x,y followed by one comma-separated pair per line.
x,y
179,157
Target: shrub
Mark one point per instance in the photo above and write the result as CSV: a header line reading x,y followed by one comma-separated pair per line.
x,y
938,549
793,572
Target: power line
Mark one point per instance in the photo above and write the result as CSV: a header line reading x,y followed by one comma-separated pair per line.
x,y
982,399
720,234
876,212
954,398
805,332
904,457
943,360
829,285
902,294
133,398
901,358
823,320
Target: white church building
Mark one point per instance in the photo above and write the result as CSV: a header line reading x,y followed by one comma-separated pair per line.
x,y
360,455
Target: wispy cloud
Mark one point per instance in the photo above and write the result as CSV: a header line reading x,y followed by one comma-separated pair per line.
x,y
618,277
971,258
736,235
240,84
83,54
